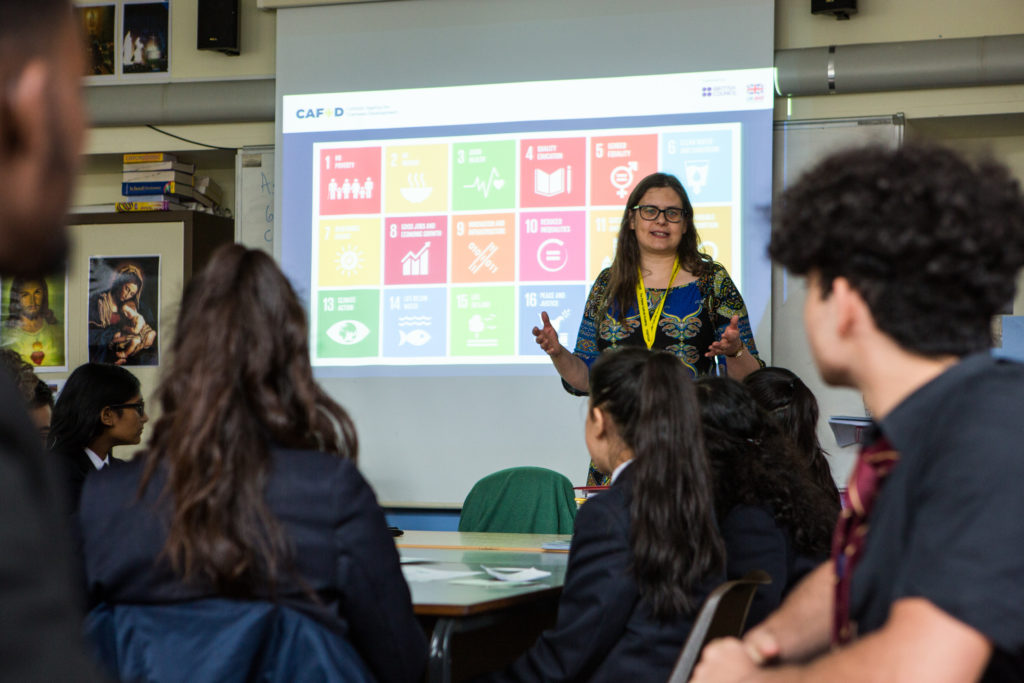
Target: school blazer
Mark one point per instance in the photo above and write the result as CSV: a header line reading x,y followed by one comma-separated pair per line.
x,y
604,631
343,552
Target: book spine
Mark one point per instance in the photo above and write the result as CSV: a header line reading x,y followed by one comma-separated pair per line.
x,y
133,189
160,166
156,176
142,157
131,207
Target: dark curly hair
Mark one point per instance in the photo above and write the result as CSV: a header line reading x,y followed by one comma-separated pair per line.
x,y
753,464
791,405
931,242
649,397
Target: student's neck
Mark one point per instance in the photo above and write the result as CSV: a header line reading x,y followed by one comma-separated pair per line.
x,y
101,446
656,269
889,374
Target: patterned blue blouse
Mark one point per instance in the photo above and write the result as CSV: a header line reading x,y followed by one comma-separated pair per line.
x,y
695,315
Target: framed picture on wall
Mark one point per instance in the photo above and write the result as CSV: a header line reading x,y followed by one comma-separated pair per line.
x,y
124,308
145,38
99,26
34,320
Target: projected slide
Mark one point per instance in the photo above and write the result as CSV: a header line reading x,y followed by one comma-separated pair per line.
x,y
441,222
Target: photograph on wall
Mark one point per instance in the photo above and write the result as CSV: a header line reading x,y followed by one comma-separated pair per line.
x,y
124,303
145,30
98,27
33,323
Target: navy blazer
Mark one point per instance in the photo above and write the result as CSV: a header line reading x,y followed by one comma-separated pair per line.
x,y
342,551
755,540
40,623
604,631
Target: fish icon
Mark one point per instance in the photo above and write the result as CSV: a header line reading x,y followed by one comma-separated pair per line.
x,y
417,337
348,332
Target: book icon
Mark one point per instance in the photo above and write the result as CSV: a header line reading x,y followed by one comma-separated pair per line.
x,y
554,183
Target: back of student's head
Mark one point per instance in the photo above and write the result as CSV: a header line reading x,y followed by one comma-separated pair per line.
x,y
239,381
19,372
27,30
649,397
754,464
791,405
931,242
88,390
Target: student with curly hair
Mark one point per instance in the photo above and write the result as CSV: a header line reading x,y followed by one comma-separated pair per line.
x,y
908,255
772,516
791,405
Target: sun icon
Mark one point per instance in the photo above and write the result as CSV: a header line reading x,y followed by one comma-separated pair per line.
x,y
349,260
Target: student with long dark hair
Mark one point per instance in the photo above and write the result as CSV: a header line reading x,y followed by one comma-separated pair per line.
x,y
249,487
100,407
772,516
646,552
792,406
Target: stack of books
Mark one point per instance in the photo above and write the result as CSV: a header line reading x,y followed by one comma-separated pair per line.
x,y
157,181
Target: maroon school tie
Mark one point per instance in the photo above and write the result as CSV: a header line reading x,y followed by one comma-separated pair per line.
x,y
874,463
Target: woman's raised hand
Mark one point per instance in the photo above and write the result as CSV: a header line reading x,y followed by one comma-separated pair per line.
x,y
730,343
547,336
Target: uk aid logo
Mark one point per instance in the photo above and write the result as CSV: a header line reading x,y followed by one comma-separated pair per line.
x,y
320,112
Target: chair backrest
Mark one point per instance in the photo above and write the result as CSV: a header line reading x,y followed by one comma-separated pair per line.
x,y
525,500
219,640
723,614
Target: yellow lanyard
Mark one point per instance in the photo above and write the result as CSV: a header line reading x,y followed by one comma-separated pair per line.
x,y
649,322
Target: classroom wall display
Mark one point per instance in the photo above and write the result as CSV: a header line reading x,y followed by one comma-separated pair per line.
x,y
436,236
126,40
99,25
123,311
145,29
34,320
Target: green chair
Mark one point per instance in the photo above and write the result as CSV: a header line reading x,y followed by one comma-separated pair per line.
x,y
525,500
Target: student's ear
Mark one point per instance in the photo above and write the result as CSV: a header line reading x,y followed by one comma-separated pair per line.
x,y
600,421
107,416
850,307
24,115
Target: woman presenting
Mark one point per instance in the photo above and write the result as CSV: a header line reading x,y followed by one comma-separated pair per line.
x,y
660,292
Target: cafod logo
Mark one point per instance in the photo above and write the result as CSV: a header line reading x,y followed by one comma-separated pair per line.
x,y
320,112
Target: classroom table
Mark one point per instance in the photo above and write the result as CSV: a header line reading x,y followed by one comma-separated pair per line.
x,y
474,628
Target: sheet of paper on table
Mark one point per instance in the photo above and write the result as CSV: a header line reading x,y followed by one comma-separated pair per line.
x,y
419,573
516,574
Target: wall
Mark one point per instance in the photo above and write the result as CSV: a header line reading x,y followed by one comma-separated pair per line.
x,y
974,120
982,120
100,181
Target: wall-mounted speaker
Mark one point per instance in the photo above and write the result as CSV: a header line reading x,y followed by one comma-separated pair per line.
x,y
840,9
217,27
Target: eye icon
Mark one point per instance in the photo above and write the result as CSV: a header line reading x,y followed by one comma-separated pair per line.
x,y
348,332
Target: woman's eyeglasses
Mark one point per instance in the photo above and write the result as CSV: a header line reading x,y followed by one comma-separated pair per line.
x,y
139,407
650,213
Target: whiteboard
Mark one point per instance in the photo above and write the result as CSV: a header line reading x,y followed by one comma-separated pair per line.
x,y
254,198
798,145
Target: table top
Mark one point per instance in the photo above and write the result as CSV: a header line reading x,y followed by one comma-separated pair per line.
x,y
460,540
444,598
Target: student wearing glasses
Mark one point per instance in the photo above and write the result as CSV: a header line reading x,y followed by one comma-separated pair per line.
x,y
100,407
660,292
